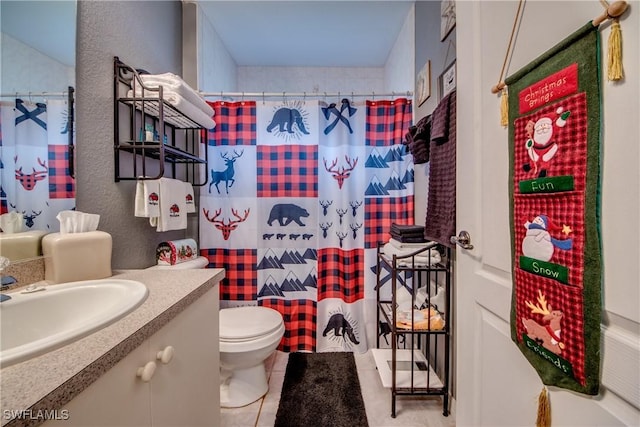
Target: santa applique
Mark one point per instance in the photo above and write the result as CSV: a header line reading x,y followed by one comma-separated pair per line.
x,y
538,242
541,145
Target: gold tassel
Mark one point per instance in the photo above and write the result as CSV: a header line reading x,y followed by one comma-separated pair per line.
x,y
614,71
504,108
544,409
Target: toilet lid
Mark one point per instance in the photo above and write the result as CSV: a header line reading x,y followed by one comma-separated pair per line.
x,y
242,323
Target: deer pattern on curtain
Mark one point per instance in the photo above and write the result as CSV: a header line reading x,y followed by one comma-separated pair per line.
x,y
300,194
34,162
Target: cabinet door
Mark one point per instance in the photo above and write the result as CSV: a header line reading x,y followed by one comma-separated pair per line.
x,y
186,391
117,398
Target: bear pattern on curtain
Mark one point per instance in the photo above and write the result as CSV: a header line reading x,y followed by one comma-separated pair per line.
x,y
300,194
34,160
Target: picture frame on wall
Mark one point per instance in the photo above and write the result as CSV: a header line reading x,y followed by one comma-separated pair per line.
x,y
447,17
423,83
447,81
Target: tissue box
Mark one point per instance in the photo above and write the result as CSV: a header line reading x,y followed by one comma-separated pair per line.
x,y
77,256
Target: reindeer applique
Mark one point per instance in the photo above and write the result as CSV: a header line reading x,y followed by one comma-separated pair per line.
x,y
547,335
227,174
29,180
228,227
341,173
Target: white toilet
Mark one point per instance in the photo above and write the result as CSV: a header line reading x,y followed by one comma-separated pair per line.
x,y
248,336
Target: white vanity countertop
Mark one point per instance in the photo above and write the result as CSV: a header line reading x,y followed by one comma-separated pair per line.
x,y
49,381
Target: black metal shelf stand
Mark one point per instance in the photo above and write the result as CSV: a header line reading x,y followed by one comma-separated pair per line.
x,y
176,138
429,342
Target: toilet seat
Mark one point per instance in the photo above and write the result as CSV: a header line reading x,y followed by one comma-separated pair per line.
x,y
243,324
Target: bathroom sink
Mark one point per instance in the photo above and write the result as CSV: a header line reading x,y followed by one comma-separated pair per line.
x,y
52,316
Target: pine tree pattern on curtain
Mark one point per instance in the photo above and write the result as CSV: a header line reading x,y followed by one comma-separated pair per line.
x,y
300,194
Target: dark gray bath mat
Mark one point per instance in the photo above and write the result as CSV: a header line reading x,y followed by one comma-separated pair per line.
x,y
321,389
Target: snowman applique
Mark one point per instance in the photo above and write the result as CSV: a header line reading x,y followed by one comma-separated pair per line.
x,y
541,145
538,242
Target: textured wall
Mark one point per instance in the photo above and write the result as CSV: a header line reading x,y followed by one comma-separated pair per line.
x,y
24,69
144,34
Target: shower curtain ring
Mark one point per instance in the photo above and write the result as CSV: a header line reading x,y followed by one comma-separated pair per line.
x,y
263,98
283,98
304,97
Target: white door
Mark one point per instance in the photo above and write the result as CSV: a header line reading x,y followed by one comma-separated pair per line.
x,y
495,385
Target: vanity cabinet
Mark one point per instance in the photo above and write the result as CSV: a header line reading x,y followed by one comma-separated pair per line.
x,y
183,392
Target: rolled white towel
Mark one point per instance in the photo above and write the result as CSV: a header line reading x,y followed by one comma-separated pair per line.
x,y
181,104
175,84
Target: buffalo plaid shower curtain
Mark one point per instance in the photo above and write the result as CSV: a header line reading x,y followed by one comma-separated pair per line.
x,y
34,160
299,195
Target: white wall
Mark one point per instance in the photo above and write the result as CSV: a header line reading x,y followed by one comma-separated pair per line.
x,y
25,69
217,71
398,70
311,79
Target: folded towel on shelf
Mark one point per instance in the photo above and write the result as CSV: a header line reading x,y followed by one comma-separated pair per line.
x,y
408,245
408,239
147,198
426,258
174,83
407,233
189,198
181,104
173,207
407,229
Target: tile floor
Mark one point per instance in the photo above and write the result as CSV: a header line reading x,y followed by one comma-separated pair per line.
x,y
410,411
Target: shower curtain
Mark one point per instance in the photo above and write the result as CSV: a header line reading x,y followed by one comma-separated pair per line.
x,y
299,195
34,166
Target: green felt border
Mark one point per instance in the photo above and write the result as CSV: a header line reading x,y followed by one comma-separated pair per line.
x,y
583,47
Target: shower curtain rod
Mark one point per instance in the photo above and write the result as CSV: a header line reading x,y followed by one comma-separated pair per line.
x,y
301,94
33,94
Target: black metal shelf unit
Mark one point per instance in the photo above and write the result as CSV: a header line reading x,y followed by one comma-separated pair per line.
x,y
426,350
141,111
